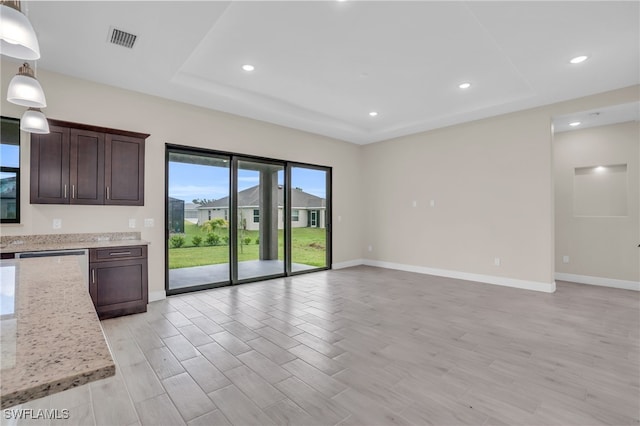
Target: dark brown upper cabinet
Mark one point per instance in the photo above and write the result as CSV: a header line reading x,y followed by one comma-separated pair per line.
x,y
124,170
80,164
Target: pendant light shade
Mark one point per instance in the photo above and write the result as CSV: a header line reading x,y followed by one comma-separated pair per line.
x,y
25,90
34,121
17,37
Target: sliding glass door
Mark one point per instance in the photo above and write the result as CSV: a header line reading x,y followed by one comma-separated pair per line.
x,y
309,230
233,219
260,225
197,219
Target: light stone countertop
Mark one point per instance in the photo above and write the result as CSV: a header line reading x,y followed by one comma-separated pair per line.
x,y
51,338
45,242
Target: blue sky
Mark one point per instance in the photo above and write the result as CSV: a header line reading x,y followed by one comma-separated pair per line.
x,y
9,155
190,181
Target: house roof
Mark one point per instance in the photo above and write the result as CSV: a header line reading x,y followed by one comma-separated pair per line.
x,y
251,197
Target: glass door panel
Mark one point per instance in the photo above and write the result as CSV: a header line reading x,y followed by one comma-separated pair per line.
x,y
197,219
308,218
260,219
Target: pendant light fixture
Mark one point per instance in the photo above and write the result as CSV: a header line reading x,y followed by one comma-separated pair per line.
x,y
34,121
25,90
17,37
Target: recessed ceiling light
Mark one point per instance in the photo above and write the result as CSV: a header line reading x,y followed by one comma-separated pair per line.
x,y
248,67
373,113
579,59
575,123
464,85
600,169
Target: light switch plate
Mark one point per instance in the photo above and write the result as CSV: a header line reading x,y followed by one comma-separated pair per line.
x,y
148,223
57,223
132,223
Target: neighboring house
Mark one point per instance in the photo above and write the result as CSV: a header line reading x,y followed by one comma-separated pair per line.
x,y
176,216
307,210
191,212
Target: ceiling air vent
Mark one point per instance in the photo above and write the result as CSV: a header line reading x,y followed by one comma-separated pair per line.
x,y
122,38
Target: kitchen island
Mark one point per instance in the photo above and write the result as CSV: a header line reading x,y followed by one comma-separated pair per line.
x,y
51,338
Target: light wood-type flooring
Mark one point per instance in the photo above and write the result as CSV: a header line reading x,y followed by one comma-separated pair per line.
x,y
369,346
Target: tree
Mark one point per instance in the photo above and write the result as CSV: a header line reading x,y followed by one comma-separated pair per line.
x,y
214,224
202,200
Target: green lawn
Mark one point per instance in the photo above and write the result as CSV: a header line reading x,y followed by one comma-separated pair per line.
x,y
308,247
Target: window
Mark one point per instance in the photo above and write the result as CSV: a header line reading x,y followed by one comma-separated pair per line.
x,y
295,215
209,215
256,216
10,170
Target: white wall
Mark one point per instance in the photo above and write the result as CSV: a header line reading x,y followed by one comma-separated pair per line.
x,y
604,246
81,101
491,183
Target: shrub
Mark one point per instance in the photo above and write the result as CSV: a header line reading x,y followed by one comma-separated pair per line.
x,y
225,240
258,241
197,240
177,241
213,239
247,240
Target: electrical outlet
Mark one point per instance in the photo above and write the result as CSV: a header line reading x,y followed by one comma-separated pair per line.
x,y
496,261
432,203
132,223
148,223
57,223
339,218
565,259
370,248
414,203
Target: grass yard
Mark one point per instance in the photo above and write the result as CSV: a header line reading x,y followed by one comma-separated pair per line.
x,y
308,248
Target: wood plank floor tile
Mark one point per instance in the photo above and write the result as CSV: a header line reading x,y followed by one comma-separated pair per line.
x,y
187,396
267,369
238,408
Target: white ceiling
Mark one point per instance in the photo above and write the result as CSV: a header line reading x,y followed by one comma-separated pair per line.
x,y
323,66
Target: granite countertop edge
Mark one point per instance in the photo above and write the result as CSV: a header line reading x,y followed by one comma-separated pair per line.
x,y
20,248
21,396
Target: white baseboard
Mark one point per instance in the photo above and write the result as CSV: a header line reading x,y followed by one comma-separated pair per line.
x,y
347,264
488,279
157,295
605,282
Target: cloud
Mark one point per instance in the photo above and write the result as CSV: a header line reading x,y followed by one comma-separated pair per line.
x,y
189,192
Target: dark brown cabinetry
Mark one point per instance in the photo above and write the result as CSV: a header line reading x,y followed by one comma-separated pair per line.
x,y
118,281
79,164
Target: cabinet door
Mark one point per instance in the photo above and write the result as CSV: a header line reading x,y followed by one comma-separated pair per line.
x,y
119,288
86,167
50,167
124,170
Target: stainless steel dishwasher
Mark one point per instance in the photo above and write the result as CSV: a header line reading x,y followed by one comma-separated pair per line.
x,y
82,254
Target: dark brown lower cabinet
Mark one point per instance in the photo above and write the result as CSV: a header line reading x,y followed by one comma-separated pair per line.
x,y
118,281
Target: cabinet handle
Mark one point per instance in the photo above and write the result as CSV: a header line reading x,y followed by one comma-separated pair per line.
x,y
65,190
120,253
107,192
73,191
93,276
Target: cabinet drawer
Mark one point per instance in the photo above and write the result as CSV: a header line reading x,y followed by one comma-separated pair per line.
x,y
117,253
